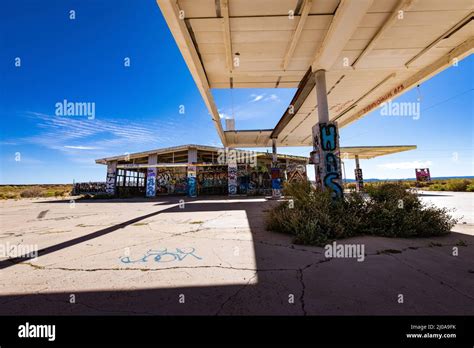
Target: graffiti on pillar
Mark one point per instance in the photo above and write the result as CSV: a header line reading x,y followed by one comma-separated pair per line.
x,y
232,178
192,181
276,182
151,182
326,158
359,179
110,181
296,172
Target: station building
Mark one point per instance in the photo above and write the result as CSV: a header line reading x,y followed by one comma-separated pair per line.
x,y
200,170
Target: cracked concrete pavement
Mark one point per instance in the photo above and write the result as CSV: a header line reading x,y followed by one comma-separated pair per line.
x,y
214,257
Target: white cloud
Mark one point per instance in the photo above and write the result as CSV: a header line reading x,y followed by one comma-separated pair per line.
x,y
272,97
223,115
80,147
406,165
256,97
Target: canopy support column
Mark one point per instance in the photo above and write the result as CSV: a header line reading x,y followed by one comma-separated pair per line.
x,y
358,175
325,154
276,181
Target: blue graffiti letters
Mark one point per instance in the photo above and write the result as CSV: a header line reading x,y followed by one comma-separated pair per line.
x,y
163,255
328,137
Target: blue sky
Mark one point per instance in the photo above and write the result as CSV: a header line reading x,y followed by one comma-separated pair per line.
x,y
137,107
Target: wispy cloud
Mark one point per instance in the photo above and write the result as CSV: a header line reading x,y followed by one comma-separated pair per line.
x,y
80,147
272,97
223,115
406,165
100,137
256,97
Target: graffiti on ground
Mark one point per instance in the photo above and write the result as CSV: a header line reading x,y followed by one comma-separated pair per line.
x,y
163,255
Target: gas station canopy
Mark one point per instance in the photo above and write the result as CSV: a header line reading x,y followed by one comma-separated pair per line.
x,y
372,51
368,152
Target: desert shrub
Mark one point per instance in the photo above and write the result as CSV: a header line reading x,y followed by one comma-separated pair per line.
x,y
470,187
9,195
386,209
31,192
457,185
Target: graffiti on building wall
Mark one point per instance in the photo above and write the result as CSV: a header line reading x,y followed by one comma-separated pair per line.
x,y
151,182
212,176
89,187
110,181
296,172
260,181
192,181
171,180
326,158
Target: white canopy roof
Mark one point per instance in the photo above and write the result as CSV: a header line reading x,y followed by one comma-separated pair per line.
x,y
371,50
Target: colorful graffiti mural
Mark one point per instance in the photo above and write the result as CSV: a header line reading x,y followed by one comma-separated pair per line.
x,y
89,187
276,182
296,172
192,181
325,156
171,181
110,181
151,182
232,178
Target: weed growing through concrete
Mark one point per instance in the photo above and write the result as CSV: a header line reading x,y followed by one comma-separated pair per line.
x,y
317,219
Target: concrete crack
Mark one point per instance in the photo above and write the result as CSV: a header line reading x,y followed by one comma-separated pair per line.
x,y
235,294
431,277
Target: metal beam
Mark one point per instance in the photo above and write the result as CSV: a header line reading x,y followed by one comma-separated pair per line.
x,y
175,21
463,50
446,35
304,89
348,16
227,39
403,5
297,33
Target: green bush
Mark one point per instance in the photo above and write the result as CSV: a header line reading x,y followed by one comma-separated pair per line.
x,y
387,210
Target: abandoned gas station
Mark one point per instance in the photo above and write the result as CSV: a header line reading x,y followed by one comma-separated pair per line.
x,y
344,57
200,170
206,170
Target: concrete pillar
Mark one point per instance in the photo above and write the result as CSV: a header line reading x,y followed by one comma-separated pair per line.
x,y
358,175
151,176
231,162
110,188
325,154
276,185
191,172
